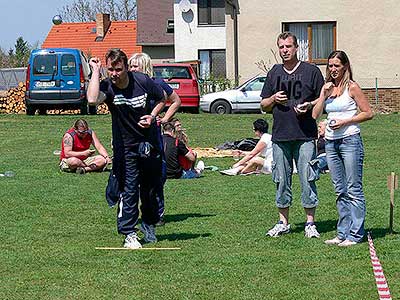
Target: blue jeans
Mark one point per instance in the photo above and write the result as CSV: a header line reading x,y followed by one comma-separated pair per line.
x,y
320,164
345,160
189,174
302,152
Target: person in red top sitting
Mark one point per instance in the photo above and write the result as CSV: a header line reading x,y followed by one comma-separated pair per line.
x,y
76,155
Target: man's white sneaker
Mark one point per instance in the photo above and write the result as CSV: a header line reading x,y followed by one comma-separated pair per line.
x,y
132,241
347,243
200,166
278,230
149,232
334,241
310,231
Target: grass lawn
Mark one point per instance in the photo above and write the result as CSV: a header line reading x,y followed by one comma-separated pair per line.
x,y
52,222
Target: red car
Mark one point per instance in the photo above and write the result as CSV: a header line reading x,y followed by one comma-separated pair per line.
x,y
182,78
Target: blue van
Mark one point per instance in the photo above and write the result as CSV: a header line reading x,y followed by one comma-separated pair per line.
x,y
57,78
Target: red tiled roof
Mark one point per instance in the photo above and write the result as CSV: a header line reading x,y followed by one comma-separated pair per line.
x,y
121,34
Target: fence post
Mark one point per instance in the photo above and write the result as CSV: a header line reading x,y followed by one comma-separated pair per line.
x,y
376,91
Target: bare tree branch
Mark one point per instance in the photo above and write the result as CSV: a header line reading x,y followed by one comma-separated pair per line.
x,y
86,10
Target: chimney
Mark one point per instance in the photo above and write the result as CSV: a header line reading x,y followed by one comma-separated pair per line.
x,y
102,24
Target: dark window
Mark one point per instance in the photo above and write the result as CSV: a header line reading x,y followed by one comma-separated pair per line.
x,y
166,72
211,12
212,63
316,39
68,64
45,64
170,26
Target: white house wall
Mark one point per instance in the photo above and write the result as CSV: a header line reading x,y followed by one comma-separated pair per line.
x,y
366,30
189,37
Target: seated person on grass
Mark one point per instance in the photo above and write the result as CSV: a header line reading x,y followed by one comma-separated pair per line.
x,y
181,135
259,160
76,155
320,164
173,148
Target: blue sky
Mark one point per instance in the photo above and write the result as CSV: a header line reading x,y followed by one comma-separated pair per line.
x,y
30,19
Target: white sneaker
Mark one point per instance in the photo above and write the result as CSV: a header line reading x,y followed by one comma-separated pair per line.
x,y
347,243
149,232
310,231
278,230
200,166
334,241
230,172
132,241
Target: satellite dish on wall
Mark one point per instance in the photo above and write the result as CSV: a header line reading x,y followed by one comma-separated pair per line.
x,y
184,6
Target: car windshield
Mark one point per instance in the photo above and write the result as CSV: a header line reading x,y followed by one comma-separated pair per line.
x,y
45,64
252,83
168,72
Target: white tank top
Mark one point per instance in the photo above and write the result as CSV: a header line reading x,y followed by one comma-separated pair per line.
x,y
339,108
267,151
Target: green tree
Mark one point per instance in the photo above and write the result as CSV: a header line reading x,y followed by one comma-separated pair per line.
x,y
22,51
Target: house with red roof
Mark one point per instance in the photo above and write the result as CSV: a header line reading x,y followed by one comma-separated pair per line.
x,y
95,38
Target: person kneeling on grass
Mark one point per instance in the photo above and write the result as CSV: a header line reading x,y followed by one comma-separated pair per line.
x,y
76,155
260,158
174,148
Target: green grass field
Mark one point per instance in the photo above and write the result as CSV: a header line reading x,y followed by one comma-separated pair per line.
x,y
52,222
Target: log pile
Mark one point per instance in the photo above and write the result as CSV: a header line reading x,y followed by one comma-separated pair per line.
x,y
13,102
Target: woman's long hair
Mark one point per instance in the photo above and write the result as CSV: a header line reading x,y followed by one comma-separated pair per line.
x,y
144,60
348,74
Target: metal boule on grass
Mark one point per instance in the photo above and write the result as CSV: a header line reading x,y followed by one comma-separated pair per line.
x,y
7,174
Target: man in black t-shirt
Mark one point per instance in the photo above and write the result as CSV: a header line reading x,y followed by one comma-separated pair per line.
x,y
289,92
137,158
173,148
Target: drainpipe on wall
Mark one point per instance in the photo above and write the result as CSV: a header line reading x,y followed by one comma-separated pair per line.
x,y
235,41
235,44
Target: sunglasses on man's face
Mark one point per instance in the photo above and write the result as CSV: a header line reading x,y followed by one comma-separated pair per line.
x,y
82,131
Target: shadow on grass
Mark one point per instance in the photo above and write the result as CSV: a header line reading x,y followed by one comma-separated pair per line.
x,y
183,217
181,236
377,233
322,226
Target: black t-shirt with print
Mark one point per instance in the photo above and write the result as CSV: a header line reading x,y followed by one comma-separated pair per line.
x,y
303,85
129,104
173,148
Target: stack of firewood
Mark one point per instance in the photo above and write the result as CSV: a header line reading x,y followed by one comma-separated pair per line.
x,y
12,102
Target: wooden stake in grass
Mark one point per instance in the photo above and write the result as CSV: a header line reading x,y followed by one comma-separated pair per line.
x,y
393,184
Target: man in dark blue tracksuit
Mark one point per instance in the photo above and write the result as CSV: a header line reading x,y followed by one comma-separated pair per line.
x,y
137,159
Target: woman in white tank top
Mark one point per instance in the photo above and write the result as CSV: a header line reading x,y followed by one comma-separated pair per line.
x,y
347,106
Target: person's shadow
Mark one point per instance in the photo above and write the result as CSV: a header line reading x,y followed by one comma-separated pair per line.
x,y
183,236
322,226
183,217
330,225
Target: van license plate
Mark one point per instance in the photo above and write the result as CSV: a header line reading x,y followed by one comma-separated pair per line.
x,y
45,84
175,86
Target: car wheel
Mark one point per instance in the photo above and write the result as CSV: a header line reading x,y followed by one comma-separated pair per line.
x,y
30,110
221,107
192,110
93,109
42,111
84,109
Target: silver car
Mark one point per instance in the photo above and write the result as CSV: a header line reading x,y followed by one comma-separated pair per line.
x,y
245,98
